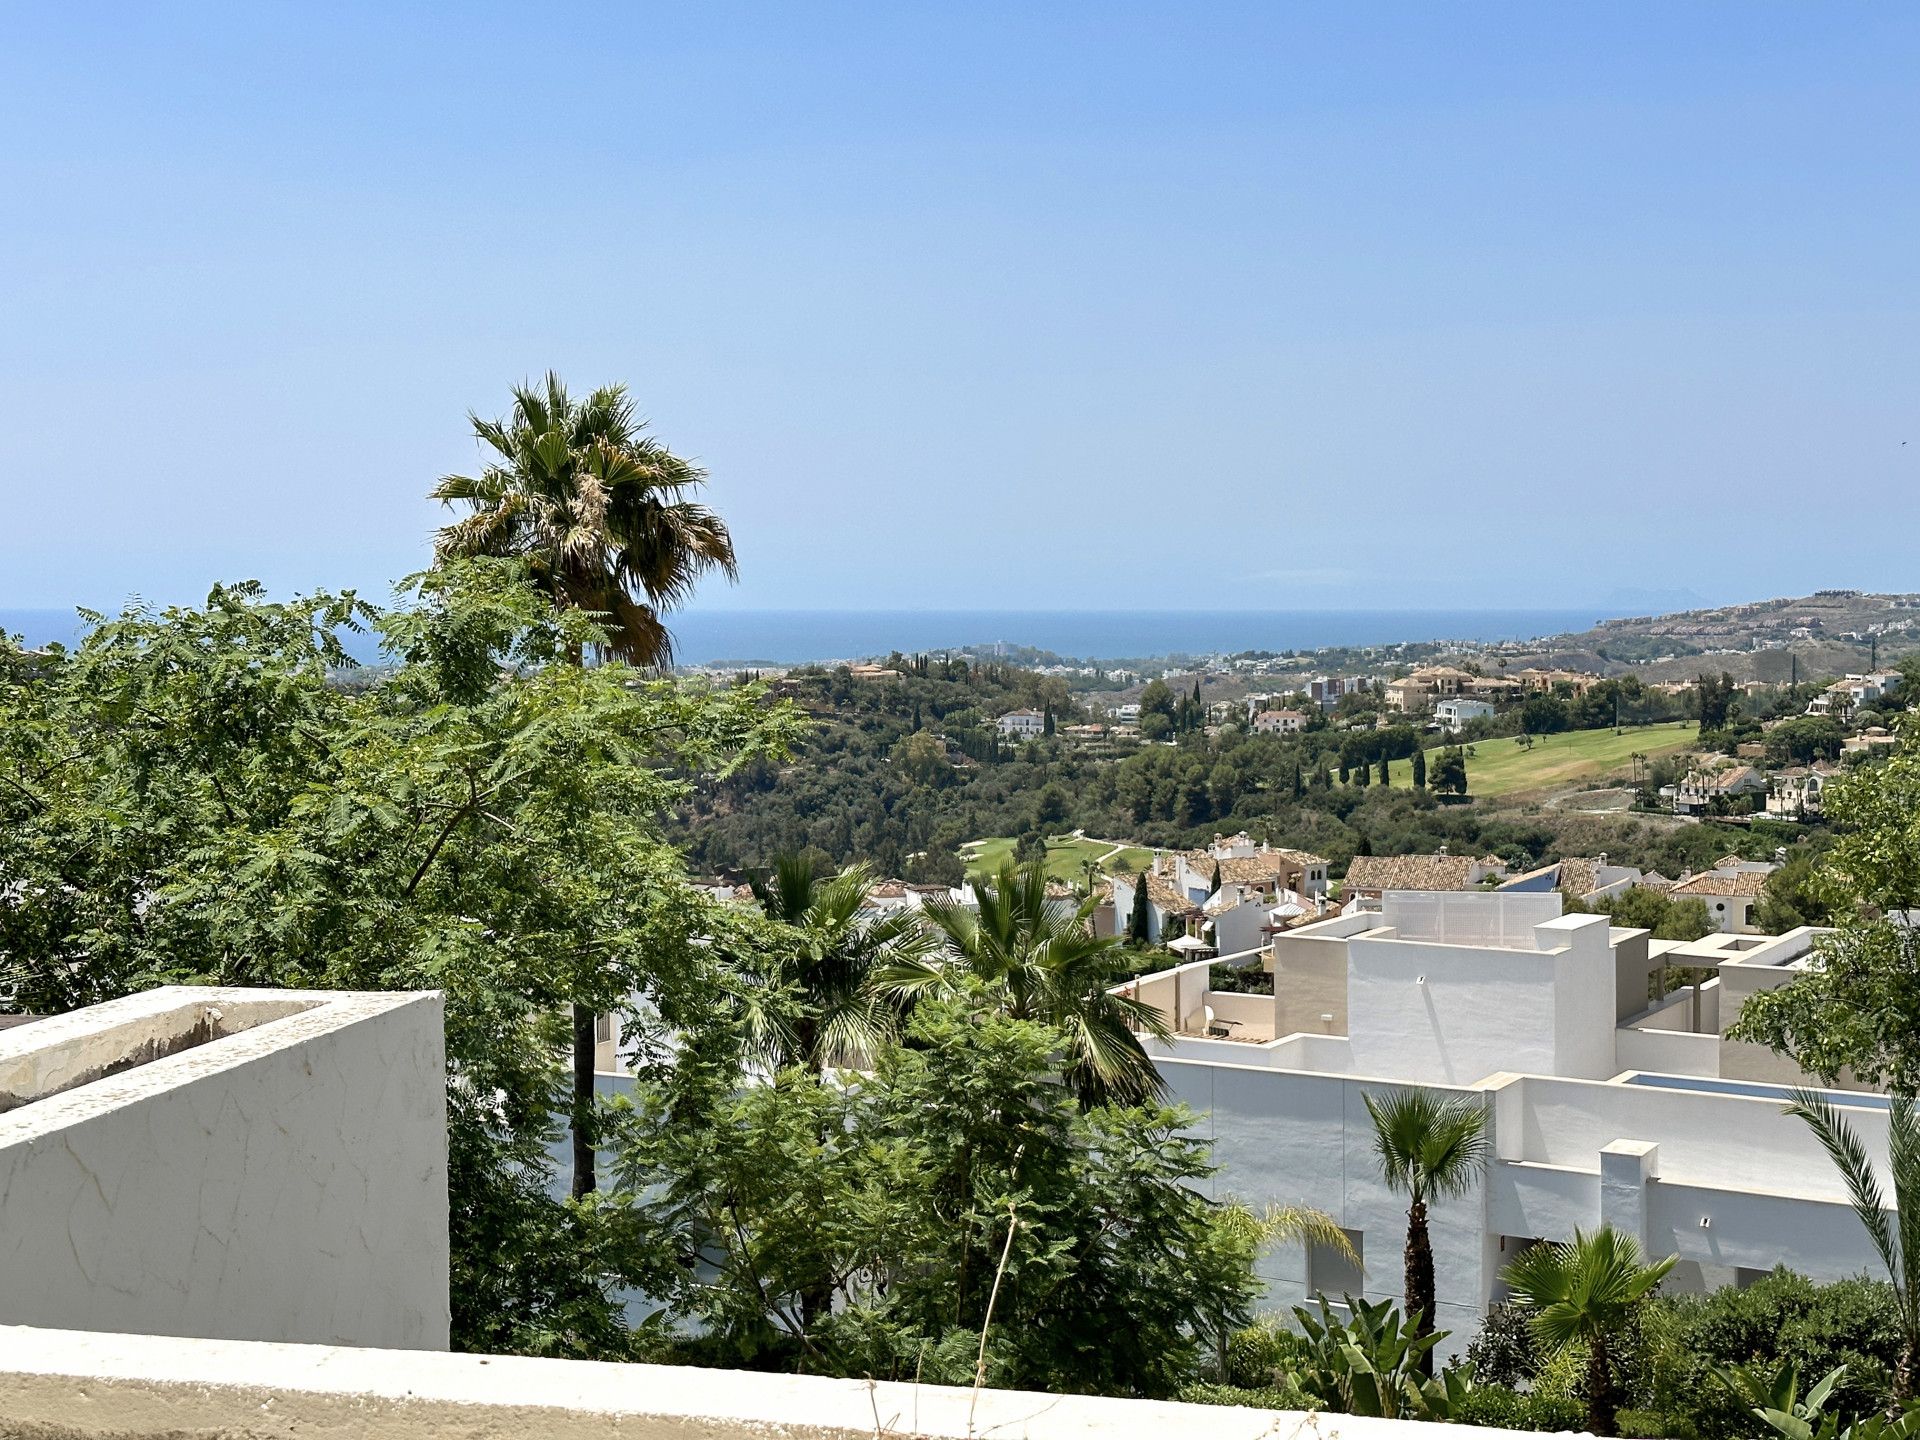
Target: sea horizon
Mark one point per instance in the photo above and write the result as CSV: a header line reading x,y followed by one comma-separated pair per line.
x,y
793,637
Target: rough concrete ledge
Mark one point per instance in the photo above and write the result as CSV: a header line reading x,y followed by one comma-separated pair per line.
x,y
70,1384
66,1068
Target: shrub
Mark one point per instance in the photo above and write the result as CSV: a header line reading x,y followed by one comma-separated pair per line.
x,y
1504,1408
1504,1354
1781,1317
1263,1356
1266,1397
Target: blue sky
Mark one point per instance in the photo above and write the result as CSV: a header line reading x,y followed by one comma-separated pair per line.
x,y
1267,307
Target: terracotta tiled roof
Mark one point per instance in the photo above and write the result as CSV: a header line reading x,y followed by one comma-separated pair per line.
x,y
1163,894
1261,867
1746,883
1578,875
1410,872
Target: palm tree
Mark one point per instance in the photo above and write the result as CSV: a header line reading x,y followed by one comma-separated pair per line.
x,y
595,506
1275,1225
1430,1148
1584,1291
1896,1240
841,950
1048,965
597,509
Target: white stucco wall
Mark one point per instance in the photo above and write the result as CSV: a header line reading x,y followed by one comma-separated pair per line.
x,y
1294,1139
130,1386
285,1182
1447,1013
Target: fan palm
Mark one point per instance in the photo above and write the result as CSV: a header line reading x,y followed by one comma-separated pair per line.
x,y
1584,1291
1897,1239
840,951
1046,963
1430,1147
597,509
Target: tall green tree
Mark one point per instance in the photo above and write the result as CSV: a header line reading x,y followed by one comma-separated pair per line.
x,y
1449,773
1386,771
1894,1230
1419,769
1857,1005
189,798
1716,698
1040,957
1139,922
1584,1292
1429,1148
597,509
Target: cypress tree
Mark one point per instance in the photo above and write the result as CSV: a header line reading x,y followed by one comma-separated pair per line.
x,y
1137,922
1419,769
1299,785
1363,774
1386,774
1346,772
1214,889
1046,723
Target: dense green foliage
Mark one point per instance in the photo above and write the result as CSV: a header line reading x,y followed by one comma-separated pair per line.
x,y
1584,1292
958,1181
902,771
1858,1006
187,799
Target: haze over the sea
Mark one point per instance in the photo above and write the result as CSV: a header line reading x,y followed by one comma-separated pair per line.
x,y
788,637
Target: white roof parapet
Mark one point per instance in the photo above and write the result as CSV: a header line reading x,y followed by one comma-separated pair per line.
x,y
249,1164
141,1384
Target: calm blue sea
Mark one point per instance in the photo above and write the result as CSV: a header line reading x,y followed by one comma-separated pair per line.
x,y
785,637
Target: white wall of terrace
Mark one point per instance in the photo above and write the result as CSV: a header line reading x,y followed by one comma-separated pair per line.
x,y
236,1164
133,1387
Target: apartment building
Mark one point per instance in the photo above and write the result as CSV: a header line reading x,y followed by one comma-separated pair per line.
x,y
1604,1105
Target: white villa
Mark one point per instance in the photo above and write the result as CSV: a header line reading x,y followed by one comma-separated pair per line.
x,y
1452,714
1729,891
1022,724
1603,1105
1262,888
1278,722
1850,692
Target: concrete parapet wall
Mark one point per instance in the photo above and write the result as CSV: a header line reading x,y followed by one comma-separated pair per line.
x,y
267,1165
132,1386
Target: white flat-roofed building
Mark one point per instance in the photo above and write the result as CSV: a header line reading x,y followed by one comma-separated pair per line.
x,y
1452,714
1603,1106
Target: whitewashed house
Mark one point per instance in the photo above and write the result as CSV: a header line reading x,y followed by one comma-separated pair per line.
x,y
1279,722
1730,891
1602,1107
1851,692
1022,724
1453,713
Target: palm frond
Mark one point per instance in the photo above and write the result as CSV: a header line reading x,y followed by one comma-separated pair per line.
x,y
1850,1158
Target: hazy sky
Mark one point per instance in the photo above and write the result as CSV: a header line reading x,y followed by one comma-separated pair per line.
x,y
1176,305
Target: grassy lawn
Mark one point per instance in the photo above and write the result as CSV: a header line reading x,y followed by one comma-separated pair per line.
x,y
1065,856
1500,767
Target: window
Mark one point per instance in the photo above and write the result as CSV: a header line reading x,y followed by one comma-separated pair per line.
x,y
602,1029
1332,1274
